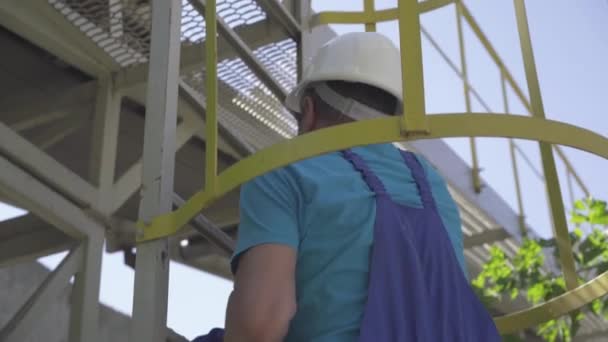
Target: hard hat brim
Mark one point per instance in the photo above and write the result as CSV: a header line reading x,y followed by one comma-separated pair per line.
x,y
293,99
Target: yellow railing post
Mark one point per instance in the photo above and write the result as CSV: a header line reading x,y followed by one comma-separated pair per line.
x,y
511,81
414,113
560,227
211,92
467,97
520,206
369,10
570,188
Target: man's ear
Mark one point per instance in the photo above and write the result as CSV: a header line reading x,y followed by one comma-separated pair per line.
x,y
309,115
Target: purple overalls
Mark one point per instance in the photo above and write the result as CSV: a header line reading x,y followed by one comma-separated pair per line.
x,y
417,290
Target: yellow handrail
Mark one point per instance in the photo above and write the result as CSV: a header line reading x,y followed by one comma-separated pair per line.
x,y
211,125
413,120
373,132
560,226
467,98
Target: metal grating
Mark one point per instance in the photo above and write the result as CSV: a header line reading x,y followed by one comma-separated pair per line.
x,y
122,27
247,105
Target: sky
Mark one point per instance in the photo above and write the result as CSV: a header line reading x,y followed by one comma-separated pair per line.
x,y
571,50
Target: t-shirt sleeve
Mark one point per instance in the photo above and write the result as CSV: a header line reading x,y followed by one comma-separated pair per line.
x,y
448,210
268,213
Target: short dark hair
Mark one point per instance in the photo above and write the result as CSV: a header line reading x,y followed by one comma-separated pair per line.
x,y
366,94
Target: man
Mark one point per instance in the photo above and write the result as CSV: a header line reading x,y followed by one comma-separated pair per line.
x,y
363,244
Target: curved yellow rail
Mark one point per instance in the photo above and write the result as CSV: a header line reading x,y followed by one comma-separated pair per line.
x,y
373,132
555,307
389,14
388,130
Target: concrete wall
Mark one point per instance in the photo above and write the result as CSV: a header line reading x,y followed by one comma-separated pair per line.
x,y
18,282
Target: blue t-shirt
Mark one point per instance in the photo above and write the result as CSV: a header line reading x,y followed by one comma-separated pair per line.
x,y
323,209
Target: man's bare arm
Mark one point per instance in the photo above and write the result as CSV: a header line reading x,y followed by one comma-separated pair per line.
x,y
263,300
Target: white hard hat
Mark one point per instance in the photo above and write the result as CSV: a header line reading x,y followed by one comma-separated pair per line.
x,y
363,57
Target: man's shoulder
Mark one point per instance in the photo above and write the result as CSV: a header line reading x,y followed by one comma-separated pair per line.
x,y
300,173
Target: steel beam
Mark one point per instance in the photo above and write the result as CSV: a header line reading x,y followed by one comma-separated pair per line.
x,y
200,249
36,197
131,180
189,108
47,108
192,109
560,226
488,236
152,264
209,230
41,120
303,11
275,10
55,133
84,312
17,329
105,142
45,167
27,237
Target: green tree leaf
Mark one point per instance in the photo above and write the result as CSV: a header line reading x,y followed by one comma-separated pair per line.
x,y
578,218
580,205
504,277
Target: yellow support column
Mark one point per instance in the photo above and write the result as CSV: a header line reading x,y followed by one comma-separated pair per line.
x,y
414,113
211,92
368,8
467,97
560,227
520,206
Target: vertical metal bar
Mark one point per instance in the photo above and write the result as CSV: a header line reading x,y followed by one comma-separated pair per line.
x,y
570,188
152,265
84,313
520,206
105,141
368,9
467,98
414,113
511,81
211,89
303,14
560,227
279,14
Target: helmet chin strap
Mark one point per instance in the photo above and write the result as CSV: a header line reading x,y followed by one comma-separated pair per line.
x,y
347,106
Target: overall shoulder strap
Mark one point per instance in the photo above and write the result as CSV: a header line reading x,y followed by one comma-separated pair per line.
x,y
424,188
370,178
